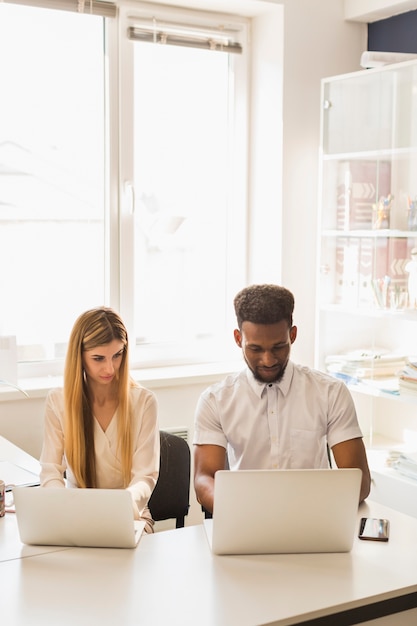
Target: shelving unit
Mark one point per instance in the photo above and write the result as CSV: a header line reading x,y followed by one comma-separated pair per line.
x,y
366,321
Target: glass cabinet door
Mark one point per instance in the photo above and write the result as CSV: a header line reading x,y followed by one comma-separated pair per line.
x,y
368,215
366,315
358,113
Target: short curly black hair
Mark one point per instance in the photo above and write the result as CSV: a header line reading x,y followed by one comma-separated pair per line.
x,y
264,304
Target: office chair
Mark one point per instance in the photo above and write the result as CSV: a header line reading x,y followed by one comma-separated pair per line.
x,y
171,496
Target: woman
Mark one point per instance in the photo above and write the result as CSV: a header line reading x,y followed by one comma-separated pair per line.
x,y
101,429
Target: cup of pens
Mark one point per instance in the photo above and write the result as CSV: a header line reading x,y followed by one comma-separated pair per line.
x,y
381,289
398,298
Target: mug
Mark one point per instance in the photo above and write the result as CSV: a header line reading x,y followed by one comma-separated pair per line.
x,y
3,504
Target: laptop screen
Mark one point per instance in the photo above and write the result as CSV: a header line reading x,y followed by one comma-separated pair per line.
x,y
284,511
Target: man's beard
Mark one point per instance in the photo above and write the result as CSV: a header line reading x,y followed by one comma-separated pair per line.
x,y
276,379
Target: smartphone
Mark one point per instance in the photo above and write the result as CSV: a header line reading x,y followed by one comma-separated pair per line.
x,y
374,529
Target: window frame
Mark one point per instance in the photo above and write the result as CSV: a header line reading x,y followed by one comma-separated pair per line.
x,y
105,8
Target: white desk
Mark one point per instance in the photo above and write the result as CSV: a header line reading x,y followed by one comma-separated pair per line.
x,y
172,579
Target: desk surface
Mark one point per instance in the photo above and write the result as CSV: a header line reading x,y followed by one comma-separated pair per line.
x,y
172,579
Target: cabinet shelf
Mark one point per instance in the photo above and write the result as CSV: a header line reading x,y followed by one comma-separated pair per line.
x,y
387,394
367,230
372,155
377,233
369,312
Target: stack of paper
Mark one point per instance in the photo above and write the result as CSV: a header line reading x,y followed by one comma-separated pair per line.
x,y
406,464
367,363
408,376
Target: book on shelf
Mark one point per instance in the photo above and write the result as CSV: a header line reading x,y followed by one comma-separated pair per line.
x,y
347,270
360,185
410,368
371,272
408,376
365,264
391,257
406,464
367,270
409,385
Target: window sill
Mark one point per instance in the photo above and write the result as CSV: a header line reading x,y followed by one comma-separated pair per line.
x,y
153,378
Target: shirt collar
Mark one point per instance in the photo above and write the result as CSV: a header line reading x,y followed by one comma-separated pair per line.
x,y
258,388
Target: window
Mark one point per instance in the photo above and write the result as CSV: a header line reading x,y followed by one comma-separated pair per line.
x,y
189,178
52,175
132,196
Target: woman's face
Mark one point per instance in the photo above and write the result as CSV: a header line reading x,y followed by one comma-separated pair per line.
x,y
102,364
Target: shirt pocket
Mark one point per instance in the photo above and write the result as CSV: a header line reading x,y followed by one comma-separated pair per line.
x,y
308,449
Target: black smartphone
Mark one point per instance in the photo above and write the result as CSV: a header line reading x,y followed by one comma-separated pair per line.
x,y
374,529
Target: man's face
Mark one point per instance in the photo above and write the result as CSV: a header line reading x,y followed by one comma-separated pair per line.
x,y
266,348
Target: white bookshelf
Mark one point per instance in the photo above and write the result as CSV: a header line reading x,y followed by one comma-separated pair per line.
x,y
367,228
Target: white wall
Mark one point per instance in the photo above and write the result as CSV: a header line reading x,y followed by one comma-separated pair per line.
x,y
317,43
265,185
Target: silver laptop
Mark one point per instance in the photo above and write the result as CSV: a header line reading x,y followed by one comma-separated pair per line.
x,y
76,517
284,511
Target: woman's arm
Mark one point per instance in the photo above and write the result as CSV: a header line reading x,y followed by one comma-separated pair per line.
x,y
145,461
52,459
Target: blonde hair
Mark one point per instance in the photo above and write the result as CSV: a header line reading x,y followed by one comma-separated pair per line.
x,y
96,327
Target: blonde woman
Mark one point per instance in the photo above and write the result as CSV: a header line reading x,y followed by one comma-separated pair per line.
x,y
101,429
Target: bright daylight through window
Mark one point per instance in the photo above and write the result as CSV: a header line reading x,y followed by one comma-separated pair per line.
x,y
183,154
172,268
51,174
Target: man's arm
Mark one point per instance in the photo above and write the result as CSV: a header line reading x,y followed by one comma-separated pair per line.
x,y
207,460
351,453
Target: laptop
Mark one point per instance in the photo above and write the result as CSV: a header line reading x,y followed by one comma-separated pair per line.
x,y
284,511
98,518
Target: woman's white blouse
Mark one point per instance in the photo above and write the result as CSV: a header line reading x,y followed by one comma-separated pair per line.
x,y
145,462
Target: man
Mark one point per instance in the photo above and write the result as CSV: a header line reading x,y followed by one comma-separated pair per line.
x,y
273,414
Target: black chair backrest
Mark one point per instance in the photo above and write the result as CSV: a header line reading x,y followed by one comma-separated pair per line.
x,y
171,496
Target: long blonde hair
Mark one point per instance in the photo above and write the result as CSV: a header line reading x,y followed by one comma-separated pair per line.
x,y
96,327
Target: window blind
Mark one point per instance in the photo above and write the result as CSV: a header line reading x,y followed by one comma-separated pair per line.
x,y
170,33
104,8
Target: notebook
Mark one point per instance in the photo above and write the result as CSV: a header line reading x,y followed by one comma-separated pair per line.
x,y
76,517
284,511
